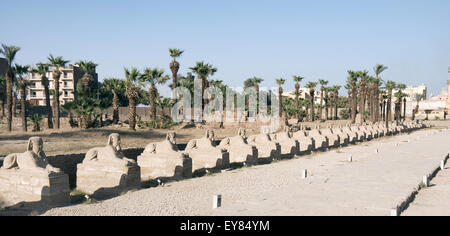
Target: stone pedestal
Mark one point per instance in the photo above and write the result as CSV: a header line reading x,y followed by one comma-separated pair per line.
x,y
240,151
165,165
102,179
33,186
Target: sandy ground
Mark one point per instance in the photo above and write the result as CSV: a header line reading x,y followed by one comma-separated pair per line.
x,y
434,200
372,184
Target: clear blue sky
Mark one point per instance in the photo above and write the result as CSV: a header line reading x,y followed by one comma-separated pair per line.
x,y
268,39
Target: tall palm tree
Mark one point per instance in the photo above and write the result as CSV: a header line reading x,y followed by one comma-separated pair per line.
x,y
400,97
280,83
57,63
312,89
42,69
132,88
88,67
353,80
174,67
20,72
390,85
378,69
9,52
364,77
203,71
335,90
153,77
322,83
115,87
326,98
297,80
418,97
2,95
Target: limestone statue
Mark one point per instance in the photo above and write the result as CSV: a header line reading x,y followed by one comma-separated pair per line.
x,y
110,154
33,159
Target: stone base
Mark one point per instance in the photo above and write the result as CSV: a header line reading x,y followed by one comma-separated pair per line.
x,y
34,187
165,166
209,161
100,179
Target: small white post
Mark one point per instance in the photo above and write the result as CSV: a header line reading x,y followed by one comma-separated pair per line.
x,y
217,201
425,181
304,174
396,144
442,164
394,212
350,159
377,151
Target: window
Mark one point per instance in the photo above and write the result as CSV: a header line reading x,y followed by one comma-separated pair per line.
x,y
65,75
33,94
66,94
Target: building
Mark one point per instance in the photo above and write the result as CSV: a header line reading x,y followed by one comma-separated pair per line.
x,y
411,91
69,79
3,66
304,94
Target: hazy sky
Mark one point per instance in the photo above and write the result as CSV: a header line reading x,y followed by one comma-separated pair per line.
x,y
242,38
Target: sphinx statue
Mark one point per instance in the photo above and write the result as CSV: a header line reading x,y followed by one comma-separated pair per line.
x,y
268,150
205,156
28,177
164,160
105,170
240,151
289,146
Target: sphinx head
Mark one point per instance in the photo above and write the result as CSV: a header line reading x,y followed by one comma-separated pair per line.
x,y
36,145
114,141
172,137
241,132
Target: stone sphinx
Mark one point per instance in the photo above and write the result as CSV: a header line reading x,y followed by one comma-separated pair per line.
x,y
307,144
28,177
268,150
343,136
289,146
164,160
240,151
205,156
333,139
105,170
352,135
362,136
320,140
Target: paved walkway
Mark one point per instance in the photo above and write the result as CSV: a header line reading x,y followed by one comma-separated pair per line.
x,y
372,184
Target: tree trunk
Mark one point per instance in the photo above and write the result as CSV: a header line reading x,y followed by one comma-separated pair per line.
x,y
311,116
9,85
174,67
321,102
14,103
56,77
115,109
336,116
354,101
362,103
327,99
297,89
404,109
152,93
132,113
23,106
49,108
280,101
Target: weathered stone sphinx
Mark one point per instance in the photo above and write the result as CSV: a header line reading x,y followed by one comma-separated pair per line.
x,y
289,146
333,139
205,156
105,170
164,160
307,144
28,177
268,150
369,133
343,136
240,151
321,141
352,135
362,136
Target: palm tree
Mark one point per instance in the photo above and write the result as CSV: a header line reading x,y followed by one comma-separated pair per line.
x,y
418,97
9,52
116,87
69,107
353,79
312,87
20,71
42,69
36,121
297,80
400,97
378,69
2,95
203,71
88,67
335,90
323,83
390,85
174,67
153,77
280,83
364,77
57,63
132,88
